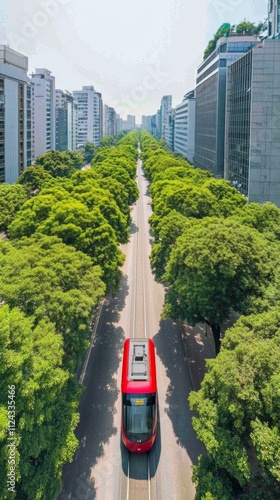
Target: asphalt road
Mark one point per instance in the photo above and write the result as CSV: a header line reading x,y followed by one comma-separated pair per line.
x,y
102,469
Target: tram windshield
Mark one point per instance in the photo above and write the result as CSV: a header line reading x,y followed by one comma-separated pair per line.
x,y
139,416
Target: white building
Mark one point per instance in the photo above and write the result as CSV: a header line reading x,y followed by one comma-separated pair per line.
x,y
16,131
184,126
147,123
44,111
85,103
131,122
166,105
90,115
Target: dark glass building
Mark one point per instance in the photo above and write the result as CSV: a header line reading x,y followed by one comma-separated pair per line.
x,y
252,137
210,101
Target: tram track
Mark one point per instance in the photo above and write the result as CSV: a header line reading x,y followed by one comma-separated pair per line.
x,y
139,477
137,482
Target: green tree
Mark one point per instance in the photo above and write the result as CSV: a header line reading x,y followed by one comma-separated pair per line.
x,y
237,411
12,197
215,267
46,405
185,197
60,164
47,279
89,152
265,218
122,176
33,212
229,199
224,30
251,28
33,179
87,231
104,200
166,231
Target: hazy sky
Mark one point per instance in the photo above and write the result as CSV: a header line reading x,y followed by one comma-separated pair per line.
x,y
132,52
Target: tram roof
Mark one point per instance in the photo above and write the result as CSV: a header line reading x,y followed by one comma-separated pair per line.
x,y
139,369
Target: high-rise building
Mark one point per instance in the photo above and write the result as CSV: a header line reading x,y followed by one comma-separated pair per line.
x,y
169,134
131,122
166,105
252,139
274,18
210,101
90,115
16,130
66,121
98,119
158,124
146,123
184,126
110,121
119,124
44,111
85,103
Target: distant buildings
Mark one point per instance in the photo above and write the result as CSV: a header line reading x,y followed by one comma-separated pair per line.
x,y
66,113
166,105
110,121
146,123
98,118
85,108
169,135
252,145
44,111
131,122
184,126
210,101
16,130
36,118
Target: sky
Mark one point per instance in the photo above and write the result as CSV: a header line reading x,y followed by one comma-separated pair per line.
x,y
132,52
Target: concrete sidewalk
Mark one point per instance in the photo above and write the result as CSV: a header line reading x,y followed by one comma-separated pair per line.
x,y
198,345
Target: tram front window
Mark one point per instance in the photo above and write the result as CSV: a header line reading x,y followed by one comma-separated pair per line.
x,y
139,416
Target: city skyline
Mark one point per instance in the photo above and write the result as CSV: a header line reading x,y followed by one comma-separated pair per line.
x,y
131,57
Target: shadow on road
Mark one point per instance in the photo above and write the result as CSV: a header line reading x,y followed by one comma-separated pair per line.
x,y
97,404
174,404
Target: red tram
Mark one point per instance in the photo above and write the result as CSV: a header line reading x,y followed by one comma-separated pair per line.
x,y
139,395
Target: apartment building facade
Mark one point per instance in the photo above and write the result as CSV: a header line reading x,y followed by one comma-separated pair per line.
x,y
184,126
44,111
16,128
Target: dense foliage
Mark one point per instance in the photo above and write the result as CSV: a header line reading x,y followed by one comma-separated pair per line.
x,y
61,256
238,413
12,197
218,254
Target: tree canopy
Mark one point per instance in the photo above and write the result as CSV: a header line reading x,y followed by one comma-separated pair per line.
x,y
216,266
12,197
237,411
